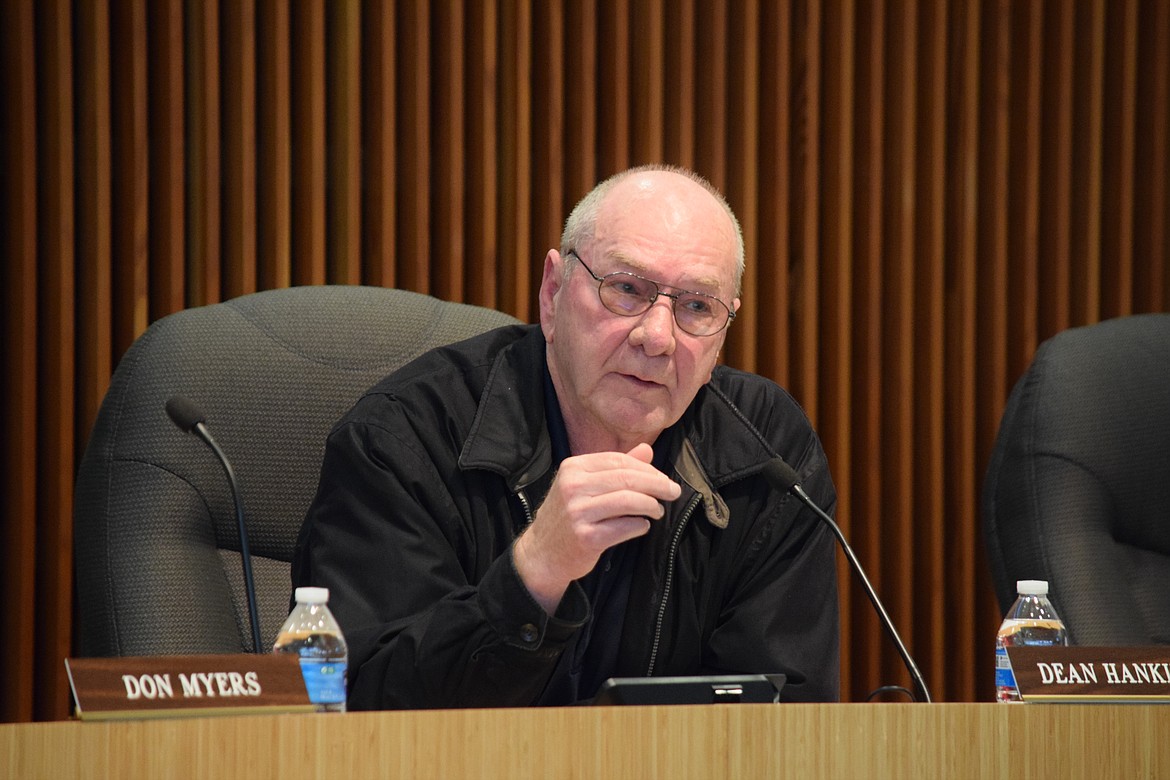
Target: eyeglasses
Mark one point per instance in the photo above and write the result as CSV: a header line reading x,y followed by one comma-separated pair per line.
x,y
630,295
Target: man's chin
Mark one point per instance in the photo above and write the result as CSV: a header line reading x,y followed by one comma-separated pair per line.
x,y
638,423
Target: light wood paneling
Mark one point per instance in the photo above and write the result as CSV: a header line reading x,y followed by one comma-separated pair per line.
x,y
1068,741
927,191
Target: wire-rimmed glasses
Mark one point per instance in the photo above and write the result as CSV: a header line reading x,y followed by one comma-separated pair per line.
x,y
629,295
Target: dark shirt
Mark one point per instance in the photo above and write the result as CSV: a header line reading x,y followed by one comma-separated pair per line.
x,y
591,656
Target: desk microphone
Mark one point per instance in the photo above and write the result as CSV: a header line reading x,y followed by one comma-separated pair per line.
x,y
190,419
783,477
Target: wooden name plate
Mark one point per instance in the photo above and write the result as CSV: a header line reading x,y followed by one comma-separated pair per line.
x,y
178,685
1092,674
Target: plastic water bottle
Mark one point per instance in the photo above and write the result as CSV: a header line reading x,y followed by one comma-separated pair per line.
x,y
1032,620
312,633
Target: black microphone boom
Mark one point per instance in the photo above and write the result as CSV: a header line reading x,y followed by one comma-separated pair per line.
x,y
783,477
188,417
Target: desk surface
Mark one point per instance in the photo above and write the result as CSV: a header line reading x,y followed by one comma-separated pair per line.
x,y
715,741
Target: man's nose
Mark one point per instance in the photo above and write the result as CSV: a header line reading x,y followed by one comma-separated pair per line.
x,y
655,329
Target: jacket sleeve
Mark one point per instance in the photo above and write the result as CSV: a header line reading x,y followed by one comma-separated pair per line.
x,y
431,606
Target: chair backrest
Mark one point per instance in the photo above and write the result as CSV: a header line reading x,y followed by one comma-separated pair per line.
x,y
157,561
1078,489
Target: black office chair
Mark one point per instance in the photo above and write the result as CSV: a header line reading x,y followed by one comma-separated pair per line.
x,y
1078,489
157,551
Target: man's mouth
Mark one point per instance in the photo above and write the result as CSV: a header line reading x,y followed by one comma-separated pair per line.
x,y
648,383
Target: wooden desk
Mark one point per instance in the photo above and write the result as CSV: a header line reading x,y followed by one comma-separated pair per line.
x,y
720,741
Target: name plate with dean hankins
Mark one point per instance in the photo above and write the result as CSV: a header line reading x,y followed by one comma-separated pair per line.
x,y
1092,674
186,685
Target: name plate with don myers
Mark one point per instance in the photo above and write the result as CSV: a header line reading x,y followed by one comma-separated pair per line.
x,y
186,685
1092,674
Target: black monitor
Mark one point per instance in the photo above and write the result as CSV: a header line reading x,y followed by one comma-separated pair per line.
x,y
710,689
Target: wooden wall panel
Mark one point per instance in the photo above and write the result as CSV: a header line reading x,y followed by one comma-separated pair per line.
x,y
18,237
378,136
309,155
550,114
128,165
450,73
865,317
203,133
167,179
344,138
927,191
238,67
480,252
964,641
55,292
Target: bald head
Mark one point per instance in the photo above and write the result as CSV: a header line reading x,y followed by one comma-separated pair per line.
x,y
661,198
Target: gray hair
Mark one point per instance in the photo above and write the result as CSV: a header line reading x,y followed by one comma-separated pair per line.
x,y
582,221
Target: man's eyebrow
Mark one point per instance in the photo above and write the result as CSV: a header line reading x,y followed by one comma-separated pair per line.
x,y
698,284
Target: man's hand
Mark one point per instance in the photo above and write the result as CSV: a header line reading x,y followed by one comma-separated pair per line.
x,y
596,501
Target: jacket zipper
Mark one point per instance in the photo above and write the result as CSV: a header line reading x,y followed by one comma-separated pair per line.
x,y
674,542
527,507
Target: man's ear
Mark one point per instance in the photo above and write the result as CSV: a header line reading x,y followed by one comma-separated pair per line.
x,y
550,285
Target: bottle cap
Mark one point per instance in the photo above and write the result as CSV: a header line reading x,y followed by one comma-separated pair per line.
x,y
312,595
1032,587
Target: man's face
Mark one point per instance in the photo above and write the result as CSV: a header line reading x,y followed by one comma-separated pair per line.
x,y
623,380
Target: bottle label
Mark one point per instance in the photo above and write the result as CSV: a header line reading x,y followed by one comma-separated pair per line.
x,y
1004,676
324,680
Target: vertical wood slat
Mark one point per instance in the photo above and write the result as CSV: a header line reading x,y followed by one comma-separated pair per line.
x,y
866,314
1118,159
514,181
378,134
202,91
802,247
129,177
309,154
679,99
712,92
56,341
167,159
836,354
962,239
413,148
581,43
1056,167
992,374
238,50
647,82
613,95
18,239
450,72
1086,267
929,609
273,145
926,191
480,252
1024,174
344,125
743,159
92,251
1152,156
548,121
772,267
898,344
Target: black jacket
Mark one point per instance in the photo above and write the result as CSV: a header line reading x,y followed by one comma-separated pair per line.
x,y
432,475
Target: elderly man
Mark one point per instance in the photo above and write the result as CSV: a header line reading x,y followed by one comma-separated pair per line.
x,y
511,520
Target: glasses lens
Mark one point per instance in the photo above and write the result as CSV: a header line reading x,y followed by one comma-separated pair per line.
x,y
699,315
695,313
626,295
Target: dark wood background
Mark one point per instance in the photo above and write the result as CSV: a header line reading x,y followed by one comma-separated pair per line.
x,y
928,190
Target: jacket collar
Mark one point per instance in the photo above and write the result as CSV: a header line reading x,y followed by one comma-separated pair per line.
x,y
509,435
